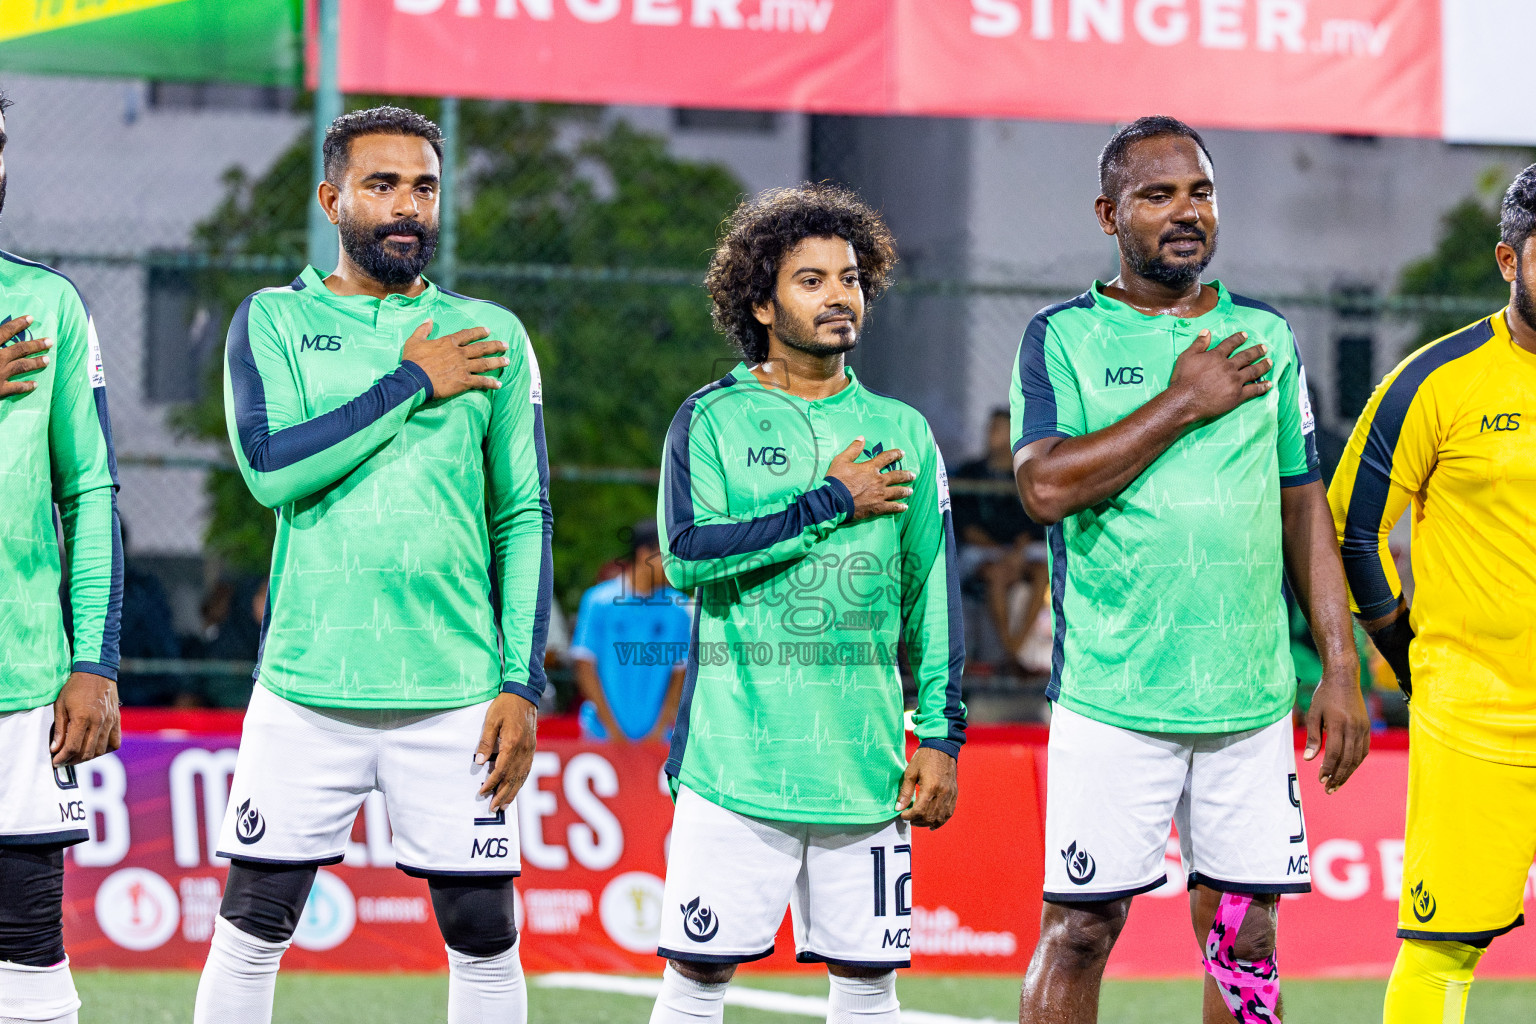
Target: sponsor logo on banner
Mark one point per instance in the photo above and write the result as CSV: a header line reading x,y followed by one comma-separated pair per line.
x,y
556,911
137,909
630,909
939,933
329,915
200,896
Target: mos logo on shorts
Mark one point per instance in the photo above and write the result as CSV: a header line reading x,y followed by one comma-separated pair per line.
x,y
250,826
1080,865
1423,903
699,923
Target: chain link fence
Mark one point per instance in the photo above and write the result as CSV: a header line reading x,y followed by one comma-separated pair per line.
x,y
167,204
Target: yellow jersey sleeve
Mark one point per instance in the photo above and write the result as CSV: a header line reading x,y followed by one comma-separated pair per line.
x,y
1452,432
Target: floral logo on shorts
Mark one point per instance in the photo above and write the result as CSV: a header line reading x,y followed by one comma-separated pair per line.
x,y
1080,865
699,923
250,826
1423,902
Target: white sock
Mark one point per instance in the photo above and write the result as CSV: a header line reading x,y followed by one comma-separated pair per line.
x,y
863,1000
37,995
487,989
238,979
685,1001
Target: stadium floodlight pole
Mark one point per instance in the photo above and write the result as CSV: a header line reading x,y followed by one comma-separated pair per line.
x,y
323,248
447,203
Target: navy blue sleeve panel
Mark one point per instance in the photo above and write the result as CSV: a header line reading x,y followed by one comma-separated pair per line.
x,y
709,546
283,455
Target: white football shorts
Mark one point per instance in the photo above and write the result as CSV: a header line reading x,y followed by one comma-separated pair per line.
x,y
1111,794
40,805
730,876
303,772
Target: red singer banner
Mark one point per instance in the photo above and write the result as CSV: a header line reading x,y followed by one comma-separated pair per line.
x,y
1355,66
144,891
1362,66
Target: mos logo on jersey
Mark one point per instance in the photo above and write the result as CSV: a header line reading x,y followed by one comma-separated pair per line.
x,y
767,456
1080,865
320,343
1122,375
1423,903
699,923
1503,421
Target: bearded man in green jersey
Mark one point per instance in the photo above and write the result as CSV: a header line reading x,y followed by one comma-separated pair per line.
x,y
1179,480
811,515
58,694
403,643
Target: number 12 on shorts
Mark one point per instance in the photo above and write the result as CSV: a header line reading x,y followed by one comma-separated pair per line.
x,y
899,893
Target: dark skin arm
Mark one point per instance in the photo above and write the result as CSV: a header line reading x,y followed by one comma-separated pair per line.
x,y
1058,477
509,740
591,688
929,788
1317,578
22,358
669,706
86,722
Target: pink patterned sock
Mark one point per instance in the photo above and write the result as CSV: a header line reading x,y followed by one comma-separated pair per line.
x,y
1250,988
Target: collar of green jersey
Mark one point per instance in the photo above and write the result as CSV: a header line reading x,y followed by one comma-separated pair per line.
x,y
1117,310
314,282
743,374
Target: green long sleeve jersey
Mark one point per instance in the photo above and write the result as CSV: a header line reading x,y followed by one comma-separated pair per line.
x,y
792,705
412,564
56,449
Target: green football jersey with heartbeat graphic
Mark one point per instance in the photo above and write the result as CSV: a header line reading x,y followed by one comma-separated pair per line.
x,y
1166,598
56,448
412,562
792,707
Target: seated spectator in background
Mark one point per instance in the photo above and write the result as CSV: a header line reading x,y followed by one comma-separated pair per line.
x,y
148,632
1000,546
629,647
232,612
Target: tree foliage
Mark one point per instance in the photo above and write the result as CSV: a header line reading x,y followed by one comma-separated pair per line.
x,y
546,185
1462,261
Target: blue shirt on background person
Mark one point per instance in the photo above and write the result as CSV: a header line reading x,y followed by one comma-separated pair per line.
x,y
629,647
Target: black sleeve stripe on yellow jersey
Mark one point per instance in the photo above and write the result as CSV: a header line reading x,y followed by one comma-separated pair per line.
x,y
1373,479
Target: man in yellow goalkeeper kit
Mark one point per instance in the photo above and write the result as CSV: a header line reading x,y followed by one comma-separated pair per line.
x,y
1453,431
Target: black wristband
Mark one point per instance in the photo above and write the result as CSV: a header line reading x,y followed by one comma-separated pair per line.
x,y
1392,640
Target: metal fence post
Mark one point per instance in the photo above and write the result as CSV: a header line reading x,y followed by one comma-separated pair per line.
x,y
323,243
448,212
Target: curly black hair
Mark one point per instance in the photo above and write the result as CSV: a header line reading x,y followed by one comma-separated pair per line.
x,y
337,147
1517,214
757,234
1112,159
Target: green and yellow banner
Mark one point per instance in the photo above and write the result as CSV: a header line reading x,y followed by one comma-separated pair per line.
x,y
253,41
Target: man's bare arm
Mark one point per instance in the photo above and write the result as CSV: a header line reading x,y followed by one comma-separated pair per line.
x,y
1058,477
1317,579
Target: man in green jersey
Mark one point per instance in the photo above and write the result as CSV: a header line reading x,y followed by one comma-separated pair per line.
x,y
811,515
58,699
1180,484
403,643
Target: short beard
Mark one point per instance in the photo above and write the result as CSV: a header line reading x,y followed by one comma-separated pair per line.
x,y
802,337
382,260
1525,302
1152,265
2,193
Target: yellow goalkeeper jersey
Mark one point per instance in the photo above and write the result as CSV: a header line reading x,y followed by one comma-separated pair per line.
x,y
1452,429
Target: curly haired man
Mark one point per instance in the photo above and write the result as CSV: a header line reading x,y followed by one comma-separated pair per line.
x,y
812,516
